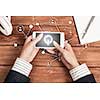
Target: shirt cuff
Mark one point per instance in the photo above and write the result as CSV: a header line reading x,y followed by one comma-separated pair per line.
x,y
22,67
79,72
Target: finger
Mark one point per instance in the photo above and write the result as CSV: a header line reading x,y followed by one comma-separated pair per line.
x,y
38,39
58,47
67,46
28,39
35,51
65,62
51,51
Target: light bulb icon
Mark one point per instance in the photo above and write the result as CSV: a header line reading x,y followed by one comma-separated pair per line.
x,y
48,39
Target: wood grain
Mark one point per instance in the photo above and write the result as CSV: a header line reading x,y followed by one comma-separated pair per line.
x,y
43,20
89,54
18,37
46,74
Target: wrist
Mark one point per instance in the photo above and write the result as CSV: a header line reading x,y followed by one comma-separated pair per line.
x,y
79,72
74,65
22,66
26,58
23,58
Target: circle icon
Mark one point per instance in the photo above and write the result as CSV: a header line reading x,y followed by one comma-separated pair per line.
x,y
48,39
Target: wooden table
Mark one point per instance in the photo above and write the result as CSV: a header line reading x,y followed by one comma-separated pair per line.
x,y
89,54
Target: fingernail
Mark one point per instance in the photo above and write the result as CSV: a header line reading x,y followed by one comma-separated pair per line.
x,y
41,35
66,41
54,42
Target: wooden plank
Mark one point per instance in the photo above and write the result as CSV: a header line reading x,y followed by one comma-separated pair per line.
x,y
69,29
95,44
46,74
89,55
14,38
41,72
64,26
50,74
43,20
22,20
56,74
4,72
19,38
8,54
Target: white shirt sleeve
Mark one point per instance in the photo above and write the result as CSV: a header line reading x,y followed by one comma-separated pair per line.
x,y
22,67
79,72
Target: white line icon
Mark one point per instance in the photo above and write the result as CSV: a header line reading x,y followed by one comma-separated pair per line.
x,y
48,39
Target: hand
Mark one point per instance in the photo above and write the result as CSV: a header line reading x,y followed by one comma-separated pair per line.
x,y
29,51
67,55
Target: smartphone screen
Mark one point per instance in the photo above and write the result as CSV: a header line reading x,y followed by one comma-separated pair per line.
x,y
47,40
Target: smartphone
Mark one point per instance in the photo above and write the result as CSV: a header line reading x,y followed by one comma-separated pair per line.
x,y
47,40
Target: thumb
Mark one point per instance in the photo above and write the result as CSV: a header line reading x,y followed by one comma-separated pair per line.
x,y
28,39
58,47
38,39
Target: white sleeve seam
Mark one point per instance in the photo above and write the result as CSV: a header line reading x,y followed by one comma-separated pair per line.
x,y
22,67
79,72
